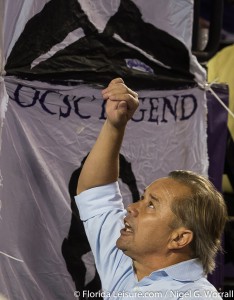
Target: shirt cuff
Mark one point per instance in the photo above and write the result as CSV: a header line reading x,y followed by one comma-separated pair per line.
x,y
99,200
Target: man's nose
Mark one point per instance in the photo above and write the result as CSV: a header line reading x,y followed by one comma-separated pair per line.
x,y
132,209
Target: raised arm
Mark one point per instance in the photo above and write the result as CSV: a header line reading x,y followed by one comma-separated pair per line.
x,y
102,165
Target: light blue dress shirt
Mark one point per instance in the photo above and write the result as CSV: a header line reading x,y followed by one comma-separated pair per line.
x,y
102,211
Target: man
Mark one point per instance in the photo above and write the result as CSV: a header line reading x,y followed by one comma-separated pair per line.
x,y
167,242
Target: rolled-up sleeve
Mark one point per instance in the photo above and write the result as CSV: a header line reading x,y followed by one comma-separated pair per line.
x,y
98,200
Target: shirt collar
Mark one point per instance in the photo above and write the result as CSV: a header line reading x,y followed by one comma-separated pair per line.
x,y
189,270
186,271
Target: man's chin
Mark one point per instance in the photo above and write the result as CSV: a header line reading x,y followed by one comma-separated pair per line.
x,y
120,244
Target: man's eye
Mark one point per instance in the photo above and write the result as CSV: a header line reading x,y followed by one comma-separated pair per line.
x,y
151,205
142,197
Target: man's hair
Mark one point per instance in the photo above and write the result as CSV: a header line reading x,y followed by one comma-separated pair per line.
x,y
204,213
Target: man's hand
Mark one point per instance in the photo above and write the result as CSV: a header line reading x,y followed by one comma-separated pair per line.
x,y
121,104
102,165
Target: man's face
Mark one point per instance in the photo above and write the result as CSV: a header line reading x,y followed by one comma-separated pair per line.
x,y
148,230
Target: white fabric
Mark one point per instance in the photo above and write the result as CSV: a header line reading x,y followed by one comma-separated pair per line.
x,y
1,37
16,15
169,15
3,93
3,106
175,17
41,150
41,147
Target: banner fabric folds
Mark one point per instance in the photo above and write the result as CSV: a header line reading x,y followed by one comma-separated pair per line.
x,y
48,132
58,55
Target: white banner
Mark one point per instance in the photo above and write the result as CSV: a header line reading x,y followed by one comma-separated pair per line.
x,y
48,132
49,129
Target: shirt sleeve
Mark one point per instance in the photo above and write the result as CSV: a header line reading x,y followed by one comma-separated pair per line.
x,y
102,212
99,200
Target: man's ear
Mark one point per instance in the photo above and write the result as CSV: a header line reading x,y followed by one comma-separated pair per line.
x,y
180,238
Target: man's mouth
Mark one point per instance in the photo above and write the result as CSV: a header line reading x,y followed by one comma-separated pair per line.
x,y
127,227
